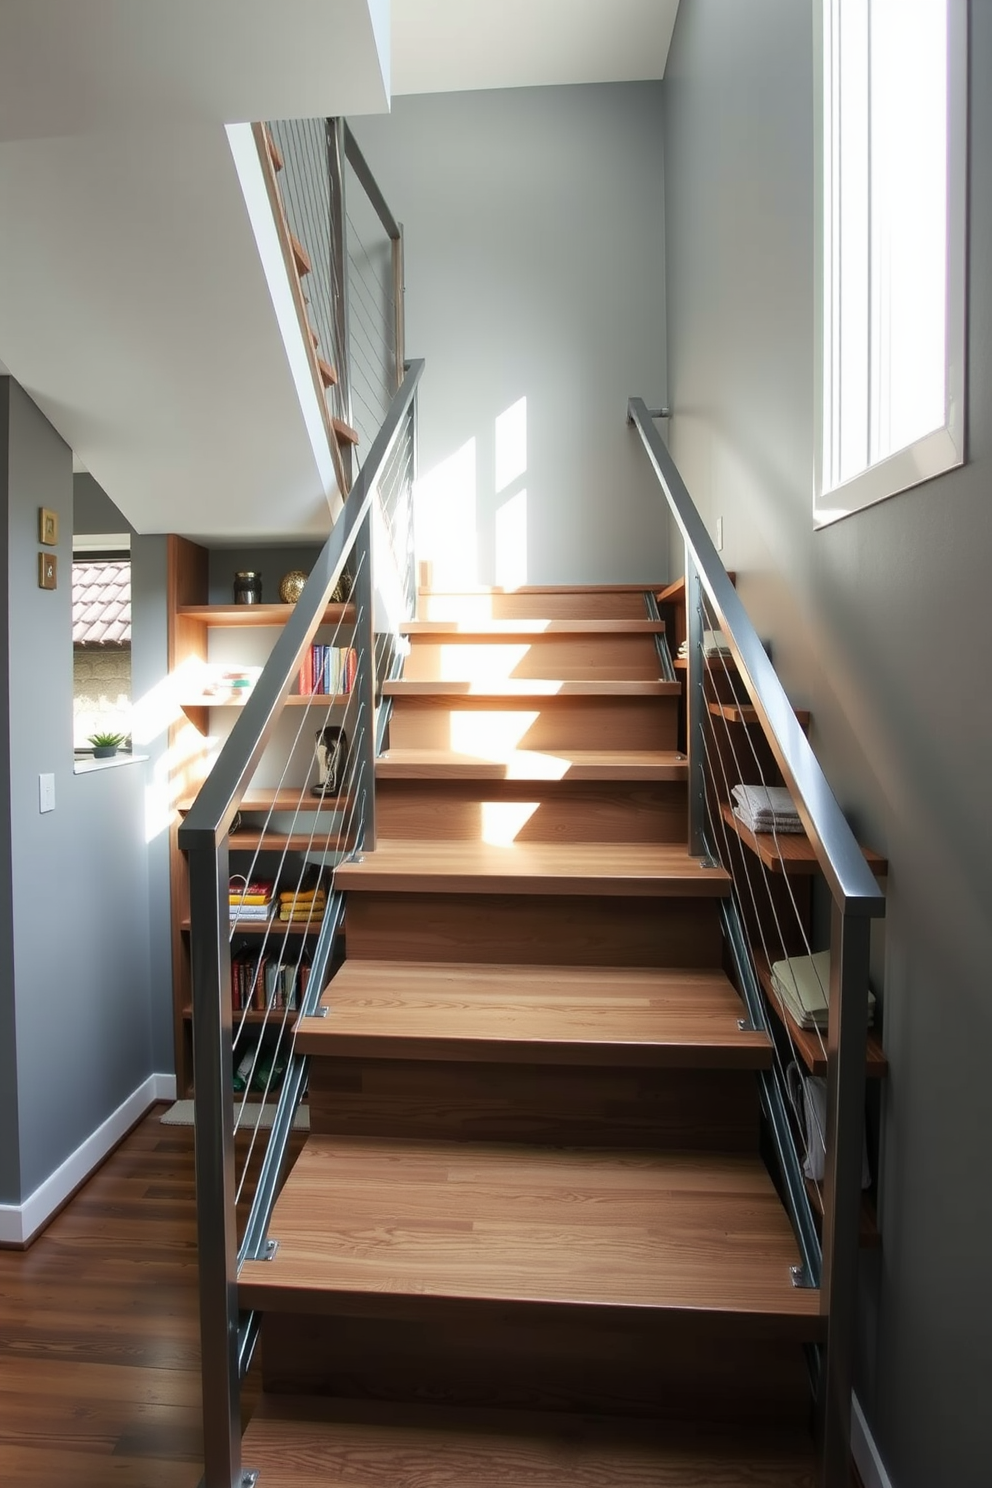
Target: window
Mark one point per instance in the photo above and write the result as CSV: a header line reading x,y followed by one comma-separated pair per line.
x,y
892,144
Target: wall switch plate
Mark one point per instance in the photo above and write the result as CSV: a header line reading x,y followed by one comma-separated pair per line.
x,y
719,534
48,571
46,792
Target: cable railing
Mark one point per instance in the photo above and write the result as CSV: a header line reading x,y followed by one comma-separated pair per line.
x,y
760,805
290,797
344,255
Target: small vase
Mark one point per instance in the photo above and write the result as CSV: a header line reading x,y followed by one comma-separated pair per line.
x,y
104,751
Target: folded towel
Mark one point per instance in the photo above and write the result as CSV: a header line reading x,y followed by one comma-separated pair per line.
x,y
714,644
803,982
766,808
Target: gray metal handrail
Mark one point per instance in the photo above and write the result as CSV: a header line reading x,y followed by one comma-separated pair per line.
x,y
225,1341
856,898
209,818
841,860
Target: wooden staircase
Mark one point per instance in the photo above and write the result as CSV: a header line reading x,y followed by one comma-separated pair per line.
x,y
531,1239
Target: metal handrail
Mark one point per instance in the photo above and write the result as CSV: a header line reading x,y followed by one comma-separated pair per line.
x,y
857,900
209,818
838,854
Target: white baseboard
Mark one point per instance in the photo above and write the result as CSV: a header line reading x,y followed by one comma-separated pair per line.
x,y
865,1452
20,1222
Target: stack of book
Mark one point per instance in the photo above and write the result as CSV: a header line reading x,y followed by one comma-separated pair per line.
x,y
328,671
303,905
766,808
263,982
251,900
802,983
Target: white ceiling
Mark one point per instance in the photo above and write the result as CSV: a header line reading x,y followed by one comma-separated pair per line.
x,y
441,46
133,307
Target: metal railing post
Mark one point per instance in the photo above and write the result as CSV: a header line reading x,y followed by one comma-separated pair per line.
x,y
210,955
695,749
399,304
336,144
846,1042
363,596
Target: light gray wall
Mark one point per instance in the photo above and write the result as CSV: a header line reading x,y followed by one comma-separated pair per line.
x,y
881,624
92,508
79,893
534,266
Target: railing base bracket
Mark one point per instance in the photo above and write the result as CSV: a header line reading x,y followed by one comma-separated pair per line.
x,y
269,1252
249,1477
747,1025
800,1277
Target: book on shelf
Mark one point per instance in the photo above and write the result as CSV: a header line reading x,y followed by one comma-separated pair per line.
x,y
328,671
265,982
254,891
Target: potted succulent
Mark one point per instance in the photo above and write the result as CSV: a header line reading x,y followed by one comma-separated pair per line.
x,y
105,746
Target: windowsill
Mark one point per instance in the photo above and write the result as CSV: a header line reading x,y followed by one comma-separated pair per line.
x,y
85,765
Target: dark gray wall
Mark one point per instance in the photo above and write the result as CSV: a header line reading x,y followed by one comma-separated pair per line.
x,y
880,624
10,1166
534,231
79,893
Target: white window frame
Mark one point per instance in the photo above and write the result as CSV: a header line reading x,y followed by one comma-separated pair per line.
x,y
943,448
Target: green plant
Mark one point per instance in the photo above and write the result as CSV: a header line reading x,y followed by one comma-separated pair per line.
x,y
106,741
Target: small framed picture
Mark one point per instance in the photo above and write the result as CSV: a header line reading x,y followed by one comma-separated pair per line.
x,y
48,527
48,571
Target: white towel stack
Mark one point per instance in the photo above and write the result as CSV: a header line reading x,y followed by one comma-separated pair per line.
x,y
802,982
714,644
766,808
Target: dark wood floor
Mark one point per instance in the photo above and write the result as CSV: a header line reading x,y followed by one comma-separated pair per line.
x,y
99,1346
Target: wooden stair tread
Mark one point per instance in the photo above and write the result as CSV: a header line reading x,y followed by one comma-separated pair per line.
x,y
790,852
674,593
526,688
469,866
328,375
344,431
809,1043
262,799
535,1014
300,256
370,1223
533,765
274,152
315,1442
538,589
526,630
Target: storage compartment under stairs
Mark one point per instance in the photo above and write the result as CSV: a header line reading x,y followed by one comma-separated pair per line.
x,y
531,1238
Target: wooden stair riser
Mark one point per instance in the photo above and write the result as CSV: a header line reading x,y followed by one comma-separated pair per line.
x,y
546,929
477,725
572,1105
531,811
674,1367
535,604
608,658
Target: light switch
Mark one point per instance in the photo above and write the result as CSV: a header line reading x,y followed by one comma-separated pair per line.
x,y
46,792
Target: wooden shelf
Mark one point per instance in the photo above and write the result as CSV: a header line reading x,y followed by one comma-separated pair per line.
x,y
868,1232
260,614
745,714
807,1041
280,800
260,927
790,852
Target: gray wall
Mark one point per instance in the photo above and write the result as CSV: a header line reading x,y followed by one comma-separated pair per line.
x,y
10,1167
534,231
865,632
79,890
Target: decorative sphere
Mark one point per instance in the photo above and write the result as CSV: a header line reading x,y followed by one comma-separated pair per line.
x,y
291,586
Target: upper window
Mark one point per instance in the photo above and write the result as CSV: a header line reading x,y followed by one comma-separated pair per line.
x,y
892,245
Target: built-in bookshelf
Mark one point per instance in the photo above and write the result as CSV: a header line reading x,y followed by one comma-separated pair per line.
x,y
205,639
